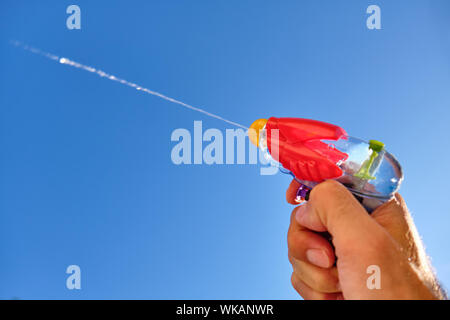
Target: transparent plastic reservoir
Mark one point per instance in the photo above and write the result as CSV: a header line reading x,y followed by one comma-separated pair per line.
x,y
368,171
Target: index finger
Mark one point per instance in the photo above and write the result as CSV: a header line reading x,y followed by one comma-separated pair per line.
x,y
291,192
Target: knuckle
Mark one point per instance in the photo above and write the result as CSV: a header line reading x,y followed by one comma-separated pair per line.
x,y
333,202
326,284
290,258
296,244
318,280
301,270
326,188
290,240
294,282
293,215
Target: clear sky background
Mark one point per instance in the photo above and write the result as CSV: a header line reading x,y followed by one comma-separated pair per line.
x,y
85,170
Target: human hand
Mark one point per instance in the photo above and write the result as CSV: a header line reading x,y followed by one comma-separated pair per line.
x,y
385,241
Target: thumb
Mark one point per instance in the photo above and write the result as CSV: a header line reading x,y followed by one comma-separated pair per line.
x,y
331,207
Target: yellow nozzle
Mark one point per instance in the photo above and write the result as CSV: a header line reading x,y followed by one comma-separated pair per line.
x,y
253,131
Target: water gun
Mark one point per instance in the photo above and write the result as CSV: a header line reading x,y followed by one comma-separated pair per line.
x,y
313,151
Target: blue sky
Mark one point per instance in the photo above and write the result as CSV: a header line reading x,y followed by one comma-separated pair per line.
x,y
86,175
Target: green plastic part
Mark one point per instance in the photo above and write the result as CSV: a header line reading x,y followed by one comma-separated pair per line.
x,y
364,171
376,145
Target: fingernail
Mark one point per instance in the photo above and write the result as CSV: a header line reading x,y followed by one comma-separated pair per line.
x,y
300,214
318,257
